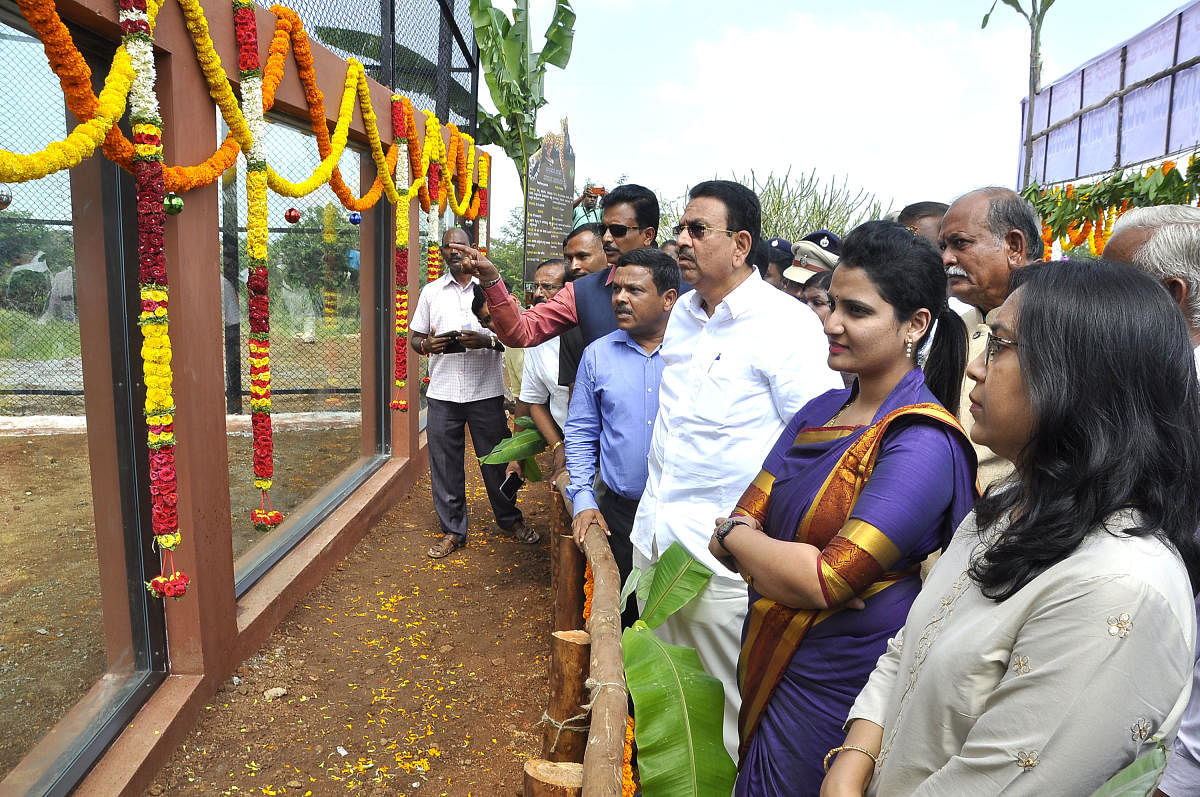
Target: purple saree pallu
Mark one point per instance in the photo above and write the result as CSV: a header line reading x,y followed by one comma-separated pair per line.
x,y
876,500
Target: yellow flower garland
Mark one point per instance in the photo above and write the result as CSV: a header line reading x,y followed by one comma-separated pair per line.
x,y
81,142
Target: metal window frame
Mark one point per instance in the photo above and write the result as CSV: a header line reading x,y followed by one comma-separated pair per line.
x,y
354,477
148,641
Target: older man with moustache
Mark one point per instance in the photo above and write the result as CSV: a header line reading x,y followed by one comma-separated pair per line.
x,y
738,362
1164,241
985,235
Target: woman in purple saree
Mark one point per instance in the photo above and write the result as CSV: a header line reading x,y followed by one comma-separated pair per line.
x,y
861,487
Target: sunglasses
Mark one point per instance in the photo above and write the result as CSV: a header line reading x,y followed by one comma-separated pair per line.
x,y
618,230
696,230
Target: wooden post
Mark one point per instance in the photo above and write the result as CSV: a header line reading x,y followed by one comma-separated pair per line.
x,y
568,598
606,735
553,778
558,527
569,652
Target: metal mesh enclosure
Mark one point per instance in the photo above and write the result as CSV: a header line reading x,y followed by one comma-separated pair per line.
x,y
41,371
314,293
432,49
435,60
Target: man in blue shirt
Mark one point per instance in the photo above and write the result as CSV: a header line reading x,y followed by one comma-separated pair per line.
x,y
615,401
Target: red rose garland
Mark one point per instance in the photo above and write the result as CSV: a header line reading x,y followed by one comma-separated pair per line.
x,y
152,292
259,339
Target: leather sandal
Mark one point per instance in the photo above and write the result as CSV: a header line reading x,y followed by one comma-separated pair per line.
x,y
447,545
524,535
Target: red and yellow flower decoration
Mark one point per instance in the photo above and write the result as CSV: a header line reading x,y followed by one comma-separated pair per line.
x,y
153,294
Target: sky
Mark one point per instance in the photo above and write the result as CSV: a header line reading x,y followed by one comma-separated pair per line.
x,y
909,100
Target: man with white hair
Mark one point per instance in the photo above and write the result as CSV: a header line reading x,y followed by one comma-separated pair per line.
x,y
1164,241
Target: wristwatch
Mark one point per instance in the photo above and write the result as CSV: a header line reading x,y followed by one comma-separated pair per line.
x,y
726,527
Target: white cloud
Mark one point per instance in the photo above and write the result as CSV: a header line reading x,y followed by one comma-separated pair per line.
x,y
904,102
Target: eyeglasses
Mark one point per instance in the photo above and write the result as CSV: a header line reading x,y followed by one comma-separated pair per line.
x,y
546,287
618,230
996,344
698,229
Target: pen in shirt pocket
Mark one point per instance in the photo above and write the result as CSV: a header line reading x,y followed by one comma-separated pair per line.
x,y
712,364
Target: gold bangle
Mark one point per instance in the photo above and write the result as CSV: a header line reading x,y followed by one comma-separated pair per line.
x,y
837,750
554,447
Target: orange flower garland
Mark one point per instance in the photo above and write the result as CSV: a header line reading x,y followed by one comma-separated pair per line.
x,y
589,587
628,786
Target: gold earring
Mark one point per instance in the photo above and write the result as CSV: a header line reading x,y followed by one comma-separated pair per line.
x,y
908,347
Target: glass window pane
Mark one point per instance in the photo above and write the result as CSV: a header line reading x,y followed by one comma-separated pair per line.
x,y
315,349
66,646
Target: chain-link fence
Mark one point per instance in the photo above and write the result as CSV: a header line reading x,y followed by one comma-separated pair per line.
x,y
432,55
313,258
41,371
426,46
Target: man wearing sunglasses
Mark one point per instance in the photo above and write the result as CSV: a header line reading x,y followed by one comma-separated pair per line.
x,y
738,362
629,221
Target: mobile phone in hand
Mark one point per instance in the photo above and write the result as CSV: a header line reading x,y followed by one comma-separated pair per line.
x,y
509,487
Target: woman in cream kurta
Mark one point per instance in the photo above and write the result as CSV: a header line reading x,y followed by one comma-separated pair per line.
x,y
1054,638
1034,695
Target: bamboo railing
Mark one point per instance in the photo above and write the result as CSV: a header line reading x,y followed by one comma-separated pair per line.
x,y
588,706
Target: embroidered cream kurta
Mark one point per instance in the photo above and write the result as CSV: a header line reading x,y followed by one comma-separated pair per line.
x,y
1049,692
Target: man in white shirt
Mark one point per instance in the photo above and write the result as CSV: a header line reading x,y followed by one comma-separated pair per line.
x,y
466,387
546,399
740,359
1164,241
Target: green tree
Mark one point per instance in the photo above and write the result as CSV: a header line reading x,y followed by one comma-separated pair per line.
x,y
1034,17
18,238
300,252
516,74
507,250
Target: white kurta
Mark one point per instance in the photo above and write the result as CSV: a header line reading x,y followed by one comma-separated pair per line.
x,y
1049,692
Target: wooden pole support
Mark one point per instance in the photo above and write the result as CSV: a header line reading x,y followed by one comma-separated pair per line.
x,y
569,652
568,598
606,735
557,529
553,778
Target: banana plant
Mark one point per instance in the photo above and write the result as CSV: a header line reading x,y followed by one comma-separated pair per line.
x,y
678,707
521,447
516,74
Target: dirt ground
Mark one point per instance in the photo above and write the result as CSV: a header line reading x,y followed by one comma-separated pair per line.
x,y
51,634
403,674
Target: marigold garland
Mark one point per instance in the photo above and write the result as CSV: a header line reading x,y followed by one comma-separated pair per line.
x,y
98,117
329,238
628,786
152,291
402,123
1084,213
589,587
259,340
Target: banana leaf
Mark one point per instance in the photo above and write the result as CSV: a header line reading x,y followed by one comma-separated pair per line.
x,y
1139,778
678,709
628,588
531,470
525,422
522,445
678,578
